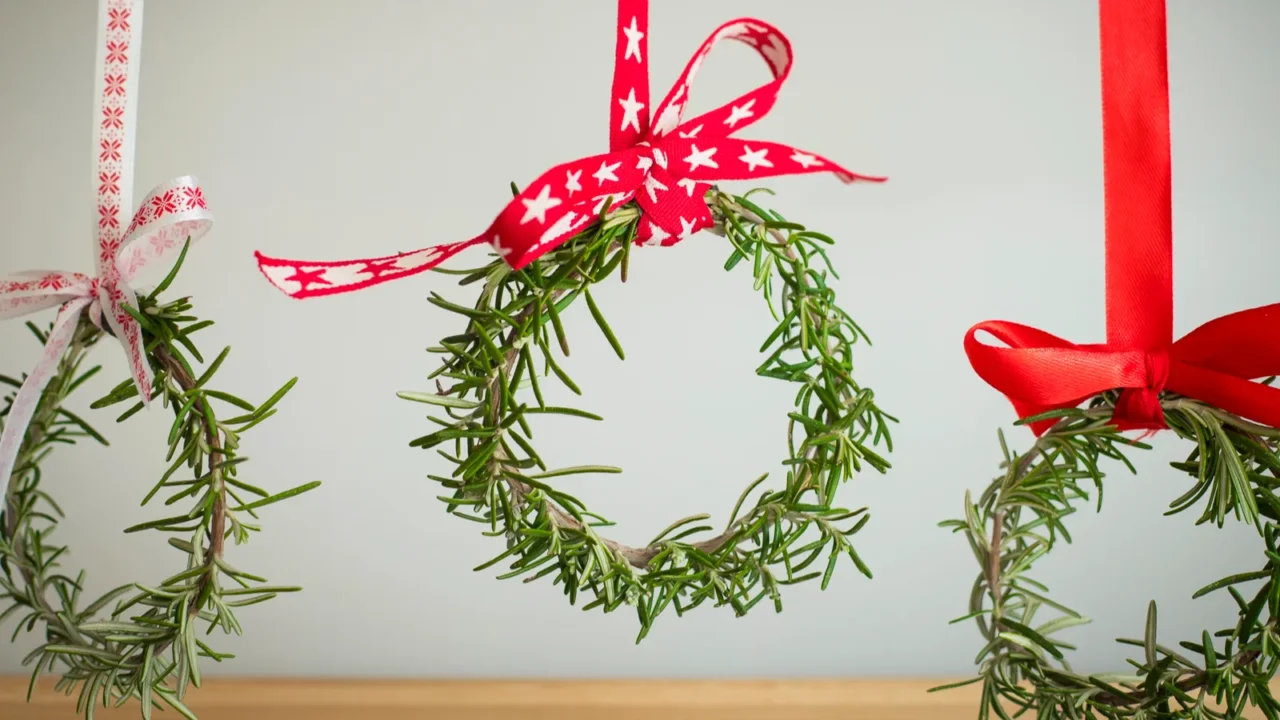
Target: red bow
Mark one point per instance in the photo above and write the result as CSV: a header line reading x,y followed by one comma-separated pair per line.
x,y
1215,362
665,167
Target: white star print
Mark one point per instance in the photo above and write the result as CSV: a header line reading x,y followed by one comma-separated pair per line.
x,y
755,158
345,275
688,184
496,242
657,236
561,227
613,199
630,111
668,119
644,163
736,30
538,207
805,160
571,182
738,113
701,158
691,134
653,186
686,227
696,65
776,53
606,172
633,41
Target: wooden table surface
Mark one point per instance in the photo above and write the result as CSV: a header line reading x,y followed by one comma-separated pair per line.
x,y
236,699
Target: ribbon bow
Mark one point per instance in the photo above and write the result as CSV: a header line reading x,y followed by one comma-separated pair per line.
x,y
1216,362
170,214
666,166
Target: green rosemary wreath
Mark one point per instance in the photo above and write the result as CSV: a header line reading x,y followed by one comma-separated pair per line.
x,y
1235,472
138,641
784,537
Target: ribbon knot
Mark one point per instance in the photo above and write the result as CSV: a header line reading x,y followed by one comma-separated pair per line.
x,y
1157,363
170,214
1216,362
659,159
1140,407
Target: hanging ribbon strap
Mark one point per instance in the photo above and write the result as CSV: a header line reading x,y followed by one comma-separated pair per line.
x,y
666,167
1216,362
125,244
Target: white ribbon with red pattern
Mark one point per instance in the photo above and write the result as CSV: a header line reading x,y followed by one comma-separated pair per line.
x,y
169,215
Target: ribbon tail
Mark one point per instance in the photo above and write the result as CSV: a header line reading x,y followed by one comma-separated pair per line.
x,y
303,279
737,159
1245,344
1250,400
35,290
128,332
28,398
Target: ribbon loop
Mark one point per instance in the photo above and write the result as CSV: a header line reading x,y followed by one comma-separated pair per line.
x,y
662,162
748,108
166,218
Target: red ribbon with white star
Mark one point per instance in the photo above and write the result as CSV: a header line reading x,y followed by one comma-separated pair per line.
x,y
168,215
665,165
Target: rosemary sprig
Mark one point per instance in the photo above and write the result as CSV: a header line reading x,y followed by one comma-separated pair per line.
x,y
1019,518
138,641
776,537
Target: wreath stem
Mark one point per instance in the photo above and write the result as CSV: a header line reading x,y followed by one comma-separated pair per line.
x,y
217,532
138,641
499,479
1228,464
37,432
637,557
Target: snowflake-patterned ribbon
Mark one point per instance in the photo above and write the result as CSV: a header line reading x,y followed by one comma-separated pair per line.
x,y
169,215
665,166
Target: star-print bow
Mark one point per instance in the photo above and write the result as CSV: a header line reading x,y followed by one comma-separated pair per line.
x,y
1215,362
665,166
169,215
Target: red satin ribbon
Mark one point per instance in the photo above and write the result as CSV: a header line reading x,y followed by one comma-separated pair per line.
x,y
1216,362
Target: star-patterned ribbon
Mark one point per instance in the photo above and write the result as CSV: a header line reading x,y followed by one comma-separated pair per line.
x,y
1214,363
171,213
665,165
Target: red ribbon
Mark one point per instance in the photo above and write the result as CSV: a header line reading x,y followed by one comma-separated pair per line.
x,y
665,166
1216,362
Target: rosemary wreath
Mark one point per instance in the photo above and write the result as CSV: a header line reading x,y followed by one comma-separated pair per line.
x,y
1234,470
783,537
138,641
